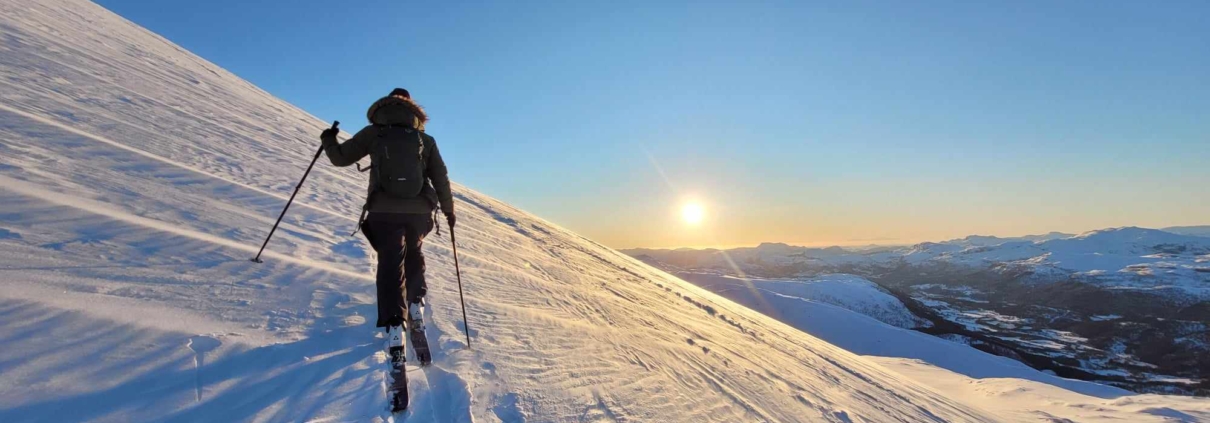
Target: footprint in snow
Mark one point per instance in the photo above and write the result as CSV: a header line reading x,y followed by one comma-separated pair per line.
x,y
508,410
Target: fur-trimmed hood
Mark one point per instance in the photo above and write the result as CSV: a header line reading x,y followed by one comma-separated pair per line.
x,y
396,110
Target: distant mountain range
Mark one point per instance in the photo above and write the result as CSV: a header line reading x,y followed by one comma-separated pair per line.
x,y
1203,231
1127,306
984,240
1122,258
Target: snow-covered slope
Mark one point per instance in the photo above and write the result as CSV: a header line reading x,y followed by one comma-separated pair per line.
x,y
1027,399
1202,231
136,180
851,313
1124,305
845,291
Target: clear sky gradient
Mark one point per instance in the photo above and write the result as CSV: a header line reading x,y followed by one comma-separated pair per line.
x,y
812,123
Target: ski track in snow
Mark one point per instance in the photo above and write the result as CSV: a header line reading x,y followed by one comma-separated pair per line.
x,y
137,179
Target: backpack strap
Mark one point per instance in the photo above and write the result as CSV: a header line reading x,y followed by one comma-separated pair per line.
x,y
365,210
436,223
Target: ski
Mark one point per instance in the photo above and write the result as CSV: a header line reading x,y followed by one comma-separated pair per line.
x,y
398,391
397,351
420,342
421,345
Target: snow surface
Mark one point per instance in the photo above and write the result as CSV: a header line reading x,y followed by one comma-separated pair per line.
x,y
137,179
846,291
867,335
1008,388
1029,400
1121,258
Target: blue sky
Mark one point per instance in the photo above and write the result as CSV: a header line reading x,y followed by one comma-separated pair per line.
x,y
802,122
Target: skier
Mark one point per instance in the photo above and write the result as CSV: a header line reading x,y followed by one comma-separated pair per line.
x,y
408,184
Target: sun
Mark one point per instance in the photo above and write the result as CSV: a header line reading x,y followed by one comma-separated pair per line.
x,y
693,213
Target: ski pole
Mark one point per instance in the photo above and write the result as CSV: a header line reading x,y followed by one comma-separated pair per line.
x,y
465,323
296,188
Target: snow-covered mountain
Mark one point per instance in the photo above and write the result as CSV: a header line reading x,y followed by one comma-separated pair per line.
x,y
766,256
1118,258
1124,258
845,291
1128,306
1202,231
136,180
987,240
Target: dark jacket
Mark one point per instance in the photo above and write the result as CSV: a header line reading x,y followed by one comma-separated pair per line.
x,y
396,111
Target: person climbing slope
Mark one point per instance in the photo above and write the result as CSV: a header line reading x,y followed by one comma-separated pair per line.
x,y
409,183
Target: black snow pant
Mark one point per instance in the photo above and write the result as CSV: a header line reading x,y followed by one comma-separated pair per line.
x,y
397,237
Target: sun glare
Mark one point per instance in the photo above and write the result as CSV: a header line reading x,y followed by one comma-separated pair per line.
x,y
693,213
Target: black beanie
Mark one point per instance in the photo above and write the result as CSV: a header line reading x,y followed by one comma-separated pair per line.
x,y
401,92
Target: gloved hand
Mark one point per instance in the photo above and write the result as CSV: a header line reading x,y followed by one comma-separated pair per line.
x,y
328,136
451,218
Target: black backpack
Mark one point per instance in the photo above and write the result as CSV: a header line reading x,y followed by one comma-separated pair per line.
x,y
398,159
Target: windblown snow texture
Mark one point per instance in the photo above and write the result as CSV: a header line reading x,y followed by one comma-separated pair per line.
x,y
138,179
